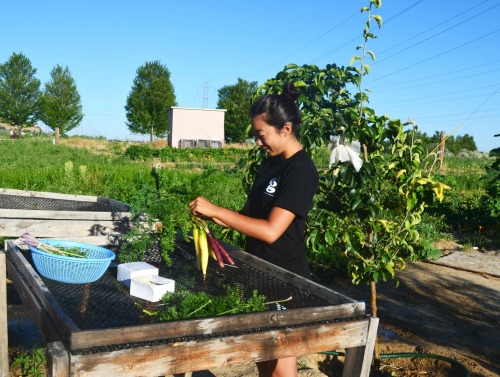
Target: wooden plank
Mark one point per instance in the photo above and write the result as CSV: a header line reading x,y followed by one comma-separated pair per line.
x,y
358,360
39,315
54,228
307,285
473,261
212,325
4,342
216,352
64,215
54,195
57,360
53,321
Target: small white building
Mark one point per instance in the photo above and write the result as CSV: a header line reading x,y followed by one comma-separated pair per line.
x,y
188,127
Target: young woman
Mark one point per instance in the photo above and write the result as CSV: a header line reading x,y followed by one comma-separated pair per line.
x,y
275,213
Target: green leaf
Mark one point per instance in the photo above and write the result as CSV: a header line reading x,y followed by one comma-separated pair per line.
x,y
353,59
329,236
378,19
356,204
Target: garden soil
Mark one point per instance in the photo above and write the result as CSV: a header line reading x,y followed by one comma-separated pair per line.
x,y
436,310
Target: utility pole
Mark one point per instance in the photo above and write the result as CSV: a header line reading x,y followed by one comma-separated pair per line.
x,y
206,95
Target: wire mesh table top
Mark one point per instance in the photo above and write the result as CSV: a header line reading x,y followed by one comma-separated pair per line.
x,y
106,303
53,204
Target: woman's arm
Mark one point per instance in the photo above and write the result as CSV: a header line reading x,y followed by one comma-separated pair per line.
x,y
267,230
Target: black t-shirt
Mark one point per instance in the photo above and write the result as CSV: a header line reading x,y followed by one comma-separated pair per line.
x,y
289,184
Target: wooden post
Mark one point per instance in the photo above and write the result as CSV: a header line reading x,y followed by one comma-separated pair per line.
x,y
57,360
358,360
4,342
441,148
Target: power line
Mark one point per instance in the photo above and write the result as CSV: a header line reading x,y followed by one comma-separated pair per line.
x,y
413,103
440,76
350,41
437,55
309,43
435,26
446,94
482,104
462,113
434,35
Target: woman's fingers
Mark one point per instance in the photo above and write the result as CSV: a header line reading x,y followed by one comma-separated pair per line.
x,y
199,206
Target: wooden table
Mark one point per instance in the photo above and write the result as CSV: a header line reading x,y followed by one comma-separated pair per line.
x,y
198,344
90,219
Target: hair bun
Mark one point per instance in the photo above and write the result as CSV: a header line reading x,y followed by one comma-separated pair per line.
x,y
290,92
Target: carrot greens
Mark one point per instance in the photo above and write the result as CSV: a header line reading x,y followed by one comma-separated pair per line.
x,y
184,304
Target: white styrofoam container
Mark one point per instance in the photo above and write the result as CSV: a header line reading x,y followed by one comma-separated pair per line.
x,y
127,271
151,288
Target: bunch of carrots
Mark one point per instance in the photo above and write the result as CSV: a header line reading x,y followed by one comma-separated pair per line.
x,y
207,245
30,240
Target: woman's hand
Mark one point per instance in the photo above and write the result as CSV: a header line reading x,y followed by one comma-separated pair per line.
x,y
202,207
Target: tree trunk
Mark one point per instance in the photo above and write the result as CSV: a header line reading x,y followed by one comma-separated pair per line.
x,y
151,135
373,305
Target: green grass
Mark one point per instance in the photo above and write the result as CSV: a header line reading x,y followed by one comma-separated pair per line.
x,y
120,171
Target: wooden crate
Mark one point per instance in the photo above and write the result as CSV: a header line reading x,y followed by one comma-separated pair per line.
x,y
182,346
90,219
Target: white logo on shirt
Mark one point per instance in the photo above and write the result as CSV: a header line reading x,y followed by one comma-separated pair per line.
x,y
271,189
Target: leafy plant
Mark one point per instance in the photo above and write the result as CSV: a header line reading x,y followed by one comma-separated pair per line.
x,y
492,180
370,215
32,363
185,304
141,152
159,213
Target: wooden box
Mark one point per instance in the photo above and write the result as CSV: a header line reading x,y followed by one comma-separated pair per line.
x,y
90,219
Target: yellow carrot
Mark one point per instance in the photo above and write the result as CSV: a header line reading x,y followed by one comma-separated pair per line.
x,y
203,242
196,240
211,251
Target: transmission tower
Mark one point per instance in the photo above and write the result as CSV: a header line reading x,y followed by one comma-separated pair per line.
x,y
206,95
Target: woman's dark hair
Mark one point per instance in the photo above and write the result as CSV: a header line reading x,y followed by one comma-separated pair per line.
x,y
279,108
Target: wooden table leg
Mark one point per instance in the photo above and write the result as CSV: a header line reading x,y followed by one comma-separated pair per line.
x,y
57,360
358,360
4,341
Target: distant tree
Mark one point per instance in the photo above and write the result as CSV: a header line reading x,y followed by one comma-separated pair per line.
x,y
151,96
452,144
465,142
19,92
236,99
60,103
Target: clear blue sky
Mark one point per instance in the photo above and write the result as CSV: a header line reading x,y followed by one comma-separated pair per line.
x,y
438,62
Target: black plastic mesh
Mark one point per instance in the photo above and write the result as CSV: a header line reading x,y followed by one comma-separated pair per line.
x,y
106,303
49,204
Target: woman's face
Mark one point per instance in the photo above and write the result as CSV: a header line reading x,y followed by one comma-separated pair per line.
x,y
269,138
